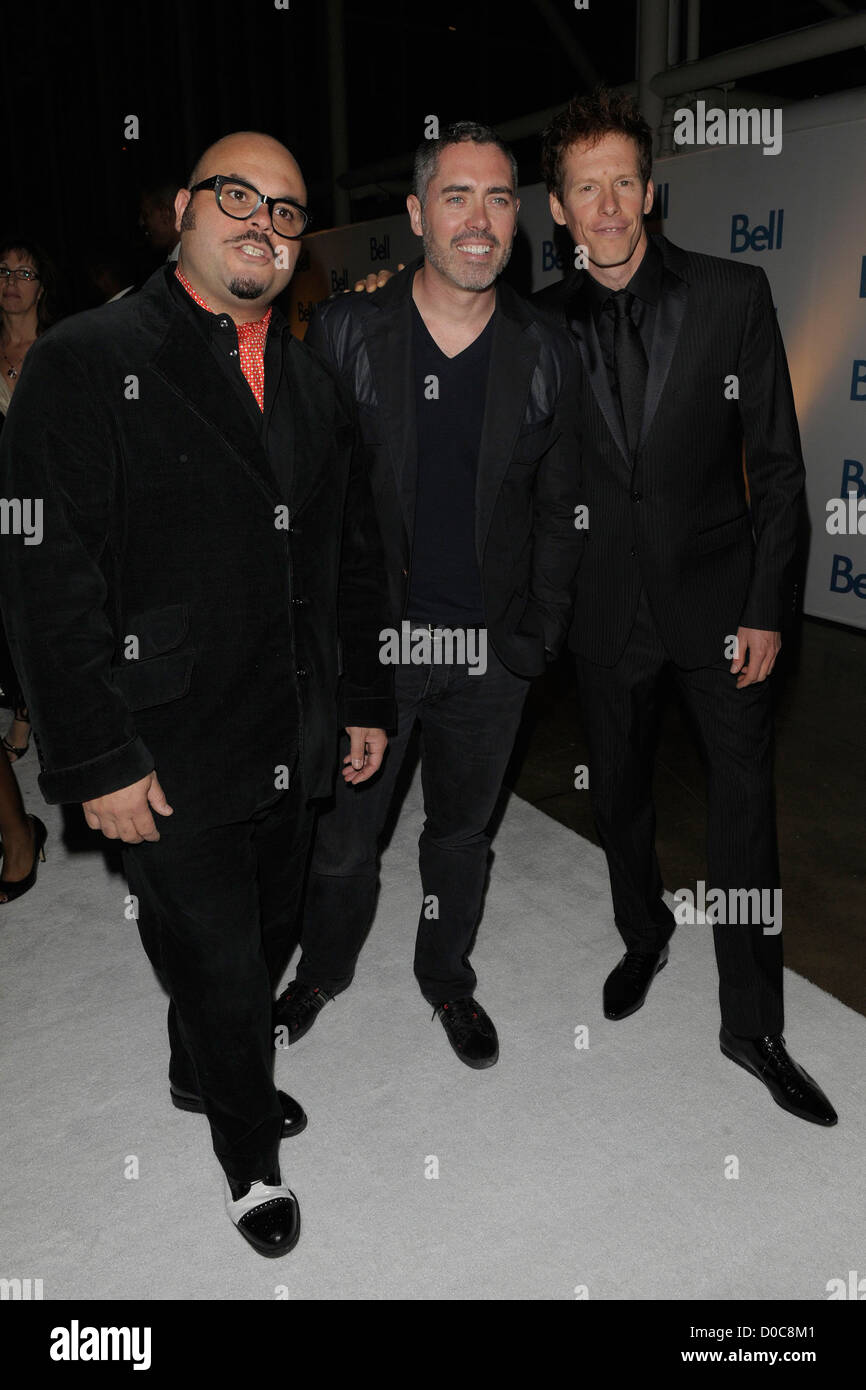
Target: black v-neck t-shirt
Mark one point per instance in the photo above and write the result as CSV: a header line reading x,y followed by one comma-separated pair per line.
x,y
450,396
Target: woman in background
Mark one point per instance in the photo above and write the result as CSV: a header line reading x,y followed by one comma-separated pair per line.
x,y
27,283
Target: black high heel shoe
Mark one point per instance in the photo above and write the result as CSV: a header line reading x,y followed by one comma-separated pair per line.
x,y
23,885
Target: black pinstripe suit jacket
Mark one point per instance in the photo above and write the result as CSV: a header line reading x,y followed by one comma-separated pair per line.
x,y
713,543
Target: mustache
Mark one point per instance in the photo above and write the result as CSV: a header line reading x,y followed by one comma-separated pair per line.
x,y
258,237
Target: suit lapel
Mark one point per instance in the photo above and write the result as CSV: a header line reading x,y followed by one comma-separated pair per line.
x,y
184,362
670,311
388,335
513,356
578,313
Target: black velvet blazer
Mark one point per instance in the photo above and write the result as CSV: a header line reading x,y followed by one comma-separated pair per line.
x,y
173,606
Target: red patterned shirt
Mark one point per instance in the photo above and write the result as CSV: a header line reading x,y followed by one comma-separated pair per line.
x,y
251,343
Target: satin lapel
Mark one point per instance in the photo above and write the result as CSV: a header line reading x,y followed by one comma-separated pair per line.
x,y
579,317
184,362
669,318
388,334
513,355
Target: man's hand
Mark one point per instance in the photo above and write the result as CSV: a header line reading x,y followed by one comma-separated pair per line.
x,y
375,280
762,647
125,814
367,749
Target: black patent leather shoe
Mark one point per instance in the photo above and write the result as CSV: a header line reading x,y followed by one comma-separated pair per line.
x,y
298,1007
627,985
266,1213
295,1120
788,1084
470,1032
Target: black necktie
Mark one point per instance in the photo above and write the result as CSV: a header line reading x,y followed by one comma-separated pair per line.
x,y
631,367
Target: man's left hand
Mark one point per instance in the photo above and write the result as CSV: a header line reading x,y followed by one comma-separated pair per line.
x,y
366,751
756,655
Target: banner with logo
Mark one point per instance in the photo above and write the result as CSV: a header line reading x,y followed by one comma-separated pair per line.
x,y
800,213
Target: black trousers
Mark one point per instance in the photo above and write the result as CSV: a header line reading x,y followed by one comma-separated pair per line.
x,y
217,917
620,714
468,726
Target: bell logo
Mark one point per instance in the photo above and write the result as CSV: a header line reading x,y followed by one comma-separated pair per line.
x,y
760,238
843,581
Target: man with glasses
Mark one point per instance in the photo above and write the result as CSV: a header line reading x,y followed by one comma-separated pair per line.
x,y
209,544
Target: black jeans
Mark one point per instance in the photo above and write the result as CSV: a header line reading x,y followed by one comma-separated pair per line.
x,y
620,715
468,725
217,917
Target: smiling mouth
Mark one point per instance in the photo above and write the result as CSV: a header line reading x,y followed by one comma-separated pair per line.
x,y
254,251
475,248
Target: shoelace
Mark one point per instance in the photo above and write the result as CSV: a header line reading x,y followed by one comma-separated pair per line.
x,y
634,965
788,1073
462,1016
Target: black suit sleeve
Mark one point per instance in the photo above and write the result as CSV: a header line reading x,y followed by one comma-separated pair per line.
x,y
774,462
57,449
558,545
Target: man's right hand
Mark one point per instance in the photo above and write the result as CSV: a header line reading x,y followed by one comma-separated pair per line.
x,y
375,280
126,813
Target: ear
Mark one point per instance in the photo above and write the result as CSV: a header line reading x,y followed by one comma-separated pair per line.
x,y
413,207
650,195
181,203
556,209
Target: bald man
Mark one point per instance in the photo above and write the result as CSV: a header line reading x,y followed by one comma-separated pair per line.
x,y
209,547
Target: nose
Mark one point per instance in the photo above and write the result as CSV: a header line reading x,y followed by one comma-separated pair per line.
x,y
478,216
261,220
609,201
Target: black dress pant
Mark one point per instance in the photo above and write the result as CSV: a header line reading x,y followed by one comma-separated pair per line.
x,y
217,917
620,714
468,726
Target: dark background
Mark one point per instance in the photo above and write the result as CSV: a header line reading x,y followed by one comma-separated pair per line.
x,y
193,70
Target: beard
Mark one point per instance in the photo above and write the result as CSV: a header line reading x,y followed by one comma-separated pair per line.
x,y
454,267
244,288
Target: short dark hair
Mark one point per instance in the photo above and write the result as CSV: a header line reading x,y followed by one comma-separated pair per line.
x,y
47,311
428,152
591,117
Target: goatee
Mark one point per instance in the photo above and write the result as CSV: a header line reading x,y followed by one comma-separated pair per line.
x,y
245,289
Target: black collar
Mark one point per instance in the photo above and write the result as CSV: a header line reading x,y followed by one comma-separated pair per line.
x,y
645,284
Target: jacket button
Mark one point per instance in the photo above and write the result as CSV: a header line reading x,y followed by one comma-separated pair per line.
x,y
300,601
633,551
637,497
301,672
405,574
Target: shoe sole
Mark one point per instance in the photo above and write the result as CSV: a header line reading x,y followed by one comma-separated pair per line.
x,y
628,1013
810,1119
195,1107
481,1065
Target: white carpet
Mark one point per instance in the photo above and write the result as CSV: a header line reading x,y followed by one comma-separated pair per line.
x,y
560,1169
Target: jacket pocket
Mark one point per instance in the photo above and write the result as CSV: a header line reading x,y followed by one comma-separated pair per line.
x,y
158,674
718,536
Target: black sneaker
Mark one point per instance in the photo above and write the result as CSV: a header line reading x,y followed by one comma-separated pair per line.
x,y
298,1007
470,1032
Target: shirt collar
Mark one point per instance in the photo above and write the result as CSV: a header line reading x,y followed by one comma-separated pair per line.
x,y
645,284
252,332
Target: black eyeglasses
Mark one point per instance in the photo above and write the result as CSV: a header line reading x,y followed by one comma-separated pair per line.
x,y
240,200
23,272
